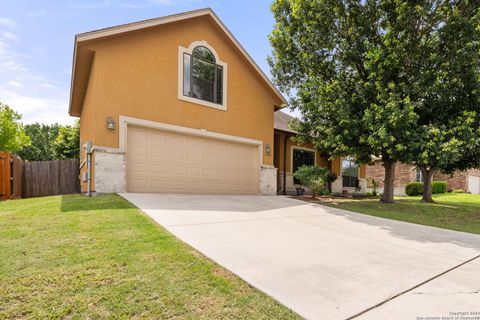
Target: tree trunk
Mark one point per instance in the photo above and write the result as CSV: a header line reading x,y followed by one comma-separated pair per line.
x,y
427,185
388,185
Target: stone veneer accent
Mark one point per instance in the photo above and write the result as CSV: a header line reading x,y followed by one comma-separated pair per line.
x,y
110,170
337,185
268,180
290,186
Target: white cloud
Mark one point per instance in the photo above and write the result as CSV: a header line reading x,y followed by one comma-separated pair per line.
x,y
8,23
9,36
28,93
14,83
37,109
47,85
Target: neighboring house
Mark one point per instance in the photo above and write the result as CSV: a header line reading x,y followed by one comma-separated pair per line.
x,y
176,105
468,181
288,156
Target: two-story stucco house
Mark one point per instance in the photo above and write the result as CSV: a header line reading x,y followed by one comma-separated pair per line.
x,y
176,105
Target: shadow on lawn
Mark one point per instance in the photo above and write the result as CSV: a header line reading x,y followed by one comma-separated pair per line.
x,y
79,202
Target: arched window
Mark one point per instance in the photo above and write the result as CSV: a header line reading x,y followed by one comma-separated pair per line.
x,y
202,76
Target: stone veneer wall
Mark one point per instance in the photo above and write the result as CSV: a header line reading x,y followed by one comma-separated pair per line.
x,y
268,180
110,170
290,186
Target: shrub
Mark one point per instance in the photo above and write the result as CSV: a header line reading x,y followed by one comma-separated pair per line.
x,y
439,187
414,189
372,183
313,177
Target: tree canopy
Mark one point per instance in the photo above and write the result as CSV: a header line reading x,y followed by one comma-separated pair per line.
x,y
12,133
43,138
377,77
67,143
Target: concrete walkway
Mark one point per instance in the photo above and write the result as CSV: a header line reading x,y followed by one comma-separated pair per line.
x,y
327,263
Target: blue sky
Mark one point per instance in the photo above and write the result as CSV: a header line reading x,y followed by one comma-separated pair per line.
x,y
36,43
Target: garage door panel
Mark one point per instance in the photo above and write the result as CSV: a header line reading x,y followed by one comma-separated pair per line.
x,y
159,170
139,167
161,161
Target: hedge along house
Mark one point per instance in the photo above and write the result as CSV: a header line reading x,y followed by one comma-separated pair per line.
x,y
174,105
288,156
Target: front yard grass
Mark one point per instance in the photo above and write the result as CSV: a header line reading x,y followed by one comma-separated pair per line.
x,y
453,211
100,257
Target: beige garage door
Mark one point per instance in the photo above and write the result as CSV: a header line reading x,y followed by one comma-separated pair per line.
x,y
161,161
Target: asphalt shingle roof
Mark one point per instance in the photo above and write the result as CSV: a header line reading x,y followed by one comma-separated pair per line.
x,y
282,120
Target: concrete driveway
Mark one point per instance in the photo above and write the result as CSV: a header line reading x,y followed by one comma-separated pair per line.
x,y
327,263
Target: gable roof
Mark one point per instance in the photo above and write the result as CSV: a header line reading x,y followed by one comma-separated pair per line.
x,y
125,28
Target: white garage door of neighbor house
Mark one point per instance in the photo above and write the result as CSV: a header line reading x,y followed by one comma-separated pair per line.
x,y
167,162
474,184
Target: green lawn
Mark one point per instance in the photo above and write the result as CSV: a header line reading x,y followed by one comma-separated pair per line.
x,y
453,211
78,257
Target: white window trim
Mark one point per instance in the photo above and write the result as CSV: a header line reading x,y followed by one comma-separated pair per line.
x,y
301,148
189,50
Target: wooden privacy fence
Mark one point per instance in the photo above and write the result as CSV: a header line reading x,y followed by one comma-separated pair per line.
x,y
11,176
48,178
24,179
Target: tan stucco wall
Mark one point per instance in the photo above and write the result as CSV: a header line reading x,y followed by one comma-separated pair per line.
x,y
136,75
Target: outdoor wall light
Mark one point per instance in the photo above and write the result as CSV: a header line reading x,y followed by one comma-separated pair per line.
x,y
267,149
110,123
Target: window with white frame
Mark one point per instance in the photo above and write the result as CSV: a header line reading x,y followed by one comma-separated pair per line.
x,y
203,76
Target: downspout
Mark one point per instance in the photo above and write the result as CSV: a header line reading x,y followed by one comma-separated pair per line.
x,y
285,165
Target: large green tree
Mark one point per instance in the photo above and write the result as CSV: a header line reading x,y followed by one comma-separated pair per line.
x,y
445,85
12,133
43,138
355,71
